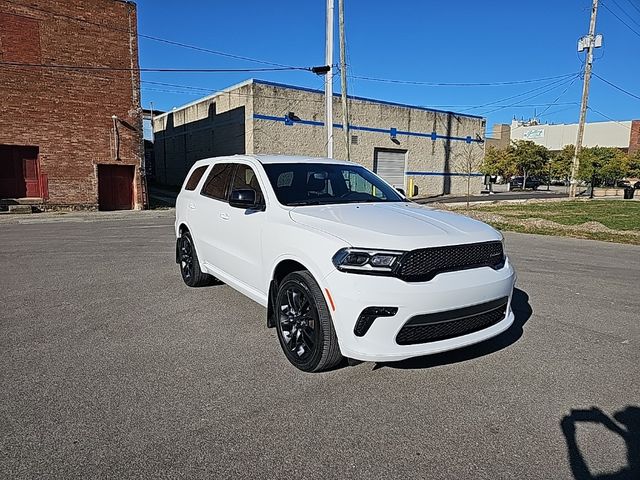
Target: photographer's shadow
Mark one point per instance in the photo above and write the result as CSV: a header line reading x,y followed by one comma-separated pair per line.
x,y
522,311
625,423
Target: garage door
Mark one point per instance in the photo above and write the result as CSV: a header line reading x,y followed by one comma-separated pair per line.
x,y
115,187
389,164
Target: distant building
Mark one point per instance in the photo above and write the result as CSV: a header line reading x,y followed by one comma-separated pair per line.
x,y
500,137
149,154
624,135
429,150
70,138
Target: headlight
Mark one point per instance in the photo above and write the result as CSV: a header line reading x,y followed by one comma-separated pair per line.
x,y
366,260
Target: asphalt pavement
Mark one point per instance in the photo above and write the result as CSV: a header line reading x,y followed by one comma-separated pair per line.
x,y
110,367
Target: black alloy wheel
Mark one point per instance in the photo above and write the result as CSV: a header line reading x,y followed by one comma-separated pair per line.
x,y
189,264
304,324
298,321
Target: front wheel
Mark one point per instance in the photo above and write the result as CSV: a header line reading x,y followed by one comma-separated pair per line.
x,y
304,325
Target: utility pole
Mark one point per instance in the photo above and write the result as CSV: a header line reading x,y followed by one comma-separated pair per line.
x,y
343,80
588,42
328,80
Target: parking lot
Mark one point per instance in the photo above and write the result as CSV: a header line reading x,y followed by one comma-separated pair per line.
x,y
111,367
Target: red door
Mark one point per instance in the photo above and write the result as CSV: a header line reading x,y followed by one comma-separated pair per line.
x,y
29,159
19,176
115,187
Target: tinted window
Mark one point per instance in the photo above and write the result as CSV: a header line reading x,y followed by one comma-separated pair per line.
x,y
326,183
195,177
245,178
217,182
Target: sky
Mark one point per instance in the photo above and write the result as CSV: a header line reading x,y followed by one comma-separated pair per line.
x,y
461,41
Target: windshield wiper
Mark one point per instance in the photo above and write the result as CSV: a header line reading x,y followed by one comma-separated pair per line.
x,y
305,203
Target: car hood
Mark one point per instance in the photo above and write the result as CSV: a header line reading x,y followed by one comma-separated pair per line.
x,y
393,225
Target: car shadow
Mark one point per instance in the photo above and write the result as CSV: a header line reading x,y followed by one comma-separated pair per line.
x,y
522,311
625,423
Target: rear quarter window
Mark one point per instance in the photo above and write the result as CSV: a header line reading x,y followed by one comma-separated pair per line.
x,y
195,177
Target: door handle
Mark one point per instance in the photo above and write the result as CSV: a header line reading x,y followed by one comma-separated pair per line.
x,y
224,216
192,205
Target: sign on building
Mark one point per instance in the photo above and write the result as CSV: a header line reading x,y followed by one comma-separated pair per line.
x,y
536,133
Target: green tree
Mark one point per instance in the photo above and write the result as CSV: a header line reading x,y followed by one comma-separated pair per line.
x,y
560,163
530,158
499,162
633,164
606,164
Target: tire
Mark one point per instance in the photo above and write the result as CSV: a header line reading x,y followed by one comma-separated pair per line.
x,y
188,262
304,325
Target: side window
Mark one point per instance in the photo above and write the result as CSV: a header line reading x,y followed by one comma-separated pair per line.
x,y
217,182
195,177
245,178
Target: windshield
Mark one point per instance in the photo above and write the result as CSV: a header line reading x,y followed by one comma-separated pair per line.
x,y
326,183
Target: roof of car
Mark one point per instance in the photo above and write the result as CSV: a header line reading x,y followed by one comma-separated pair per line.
x,y
267,159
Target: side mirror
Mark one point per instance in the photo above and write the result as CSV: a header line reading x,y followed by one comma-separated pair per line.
x,y
401,190
243,198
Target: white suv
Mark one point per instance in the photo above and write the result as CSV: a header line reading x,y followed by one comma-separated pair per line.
x,y
344,264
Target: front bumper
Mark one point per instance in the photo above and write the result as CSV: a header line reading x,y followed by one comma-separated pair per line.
x,y
352,293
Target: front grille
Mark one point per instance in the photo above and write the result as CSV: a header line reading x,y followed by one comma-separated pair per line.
x,y
453,323
424,264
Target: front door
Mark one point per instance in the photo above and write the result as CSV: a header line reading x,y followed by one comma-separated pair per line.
x,y
241,238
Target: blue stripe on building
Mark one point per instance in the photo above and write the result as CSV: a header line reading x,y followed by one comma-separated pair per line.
x,y
389,131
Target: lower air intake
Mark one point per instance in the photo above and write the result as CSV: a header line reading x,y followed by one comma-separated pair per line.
x,y
453,323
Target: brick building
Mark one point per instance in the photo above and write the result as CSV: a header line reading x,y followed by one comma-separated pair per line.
x,y
71,133
423,150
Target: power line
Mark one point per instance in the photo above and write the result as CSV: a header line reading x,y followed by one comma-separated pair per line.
x,y
511,97
621,20
149,37
616,87
625,12
559,96
608,117
553,112
175,70
215,52
528,98
634,6
191,89
459,84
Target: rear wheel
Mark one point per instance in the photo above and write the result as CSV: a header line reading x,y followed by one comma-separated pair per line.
x,y
189,264
304,325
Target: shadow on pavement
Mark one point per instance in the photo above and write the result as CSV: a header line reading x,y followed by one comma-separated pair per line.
x,y
625,423
522,311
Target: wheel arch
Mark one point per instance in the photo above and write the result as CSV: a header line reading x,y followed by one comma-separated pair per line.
x,y
282,268
181,229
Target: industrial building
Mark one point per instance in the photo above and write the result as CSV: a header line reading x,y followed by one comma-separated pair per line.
x,y
624,135
427,152
71,118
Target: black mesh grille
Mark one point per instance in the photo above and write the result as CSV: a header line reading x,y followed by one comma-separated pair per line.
x,y
424,264
422,329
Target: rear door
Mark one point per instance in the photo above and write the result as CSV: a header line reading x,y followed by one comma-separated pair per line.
x,y
205,213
